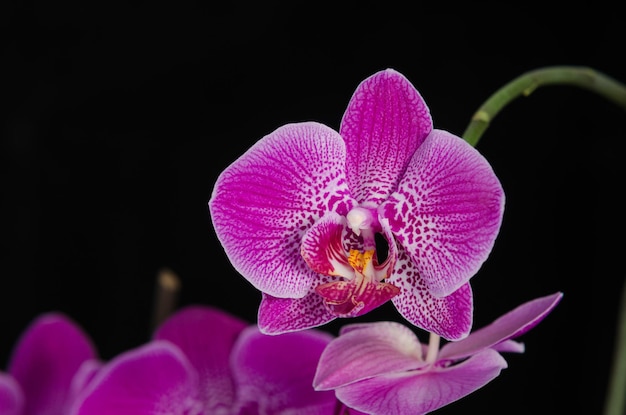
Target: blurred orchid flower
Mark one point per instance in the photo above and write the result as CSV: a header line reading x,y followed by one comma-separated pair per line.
x,y
382,368
204,361
298,215
43,365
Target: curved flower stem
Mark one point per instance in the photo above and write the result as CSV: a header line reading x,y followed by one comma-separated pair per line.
x,y
525,84
616,394
609,88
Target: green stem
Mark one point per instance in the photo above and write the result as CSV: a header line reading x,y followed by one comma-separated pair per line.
x,y
616,394
609,88
525,84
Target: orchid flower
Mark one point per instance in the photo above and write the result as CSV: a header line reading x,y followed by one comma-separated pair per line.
x,y
382,368
42,367
204,361
299,214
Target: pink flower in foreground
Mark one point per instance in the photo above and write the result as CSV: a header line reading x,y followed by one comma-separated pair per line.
x,y
298,215
42,370
204,361
382,368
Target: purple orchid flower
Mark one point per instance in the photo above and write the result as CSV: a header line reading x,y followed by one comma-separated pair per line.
x,y
382,368
205,361
43,365
298,215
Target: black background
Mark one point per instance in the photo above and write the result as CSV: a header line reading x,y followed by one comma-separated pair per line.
x,y
117,119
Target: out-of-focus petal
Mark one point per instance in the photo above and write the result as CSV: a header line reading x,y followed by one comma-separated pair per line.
x,y
446,212
386,120
263,203
371,349
283,315
420,392
45,359
450,317
84,375
509,346
154,379
275,373
510,325
206,336
11,396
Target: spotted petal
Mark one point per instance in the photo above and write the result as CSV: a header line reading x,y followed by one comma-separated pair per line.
x,y
283,315
386,120
264,202
446,212
45,359
420,392
206,336
274,374
450,317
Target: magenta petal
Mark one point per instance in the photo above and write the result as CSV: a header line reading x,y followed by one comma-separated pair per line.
x,y
83,377
450,317
446,212
275,373
154,379
263,203
510,325
11,396
206,336
322,246
283,315
418,392
386,120
368,350
45,359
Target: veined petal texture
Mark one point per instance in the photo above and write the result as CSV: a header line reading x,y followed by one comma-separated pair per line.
x,y
446,212
418,392
368,350
284,315
385,122
449,317
265,201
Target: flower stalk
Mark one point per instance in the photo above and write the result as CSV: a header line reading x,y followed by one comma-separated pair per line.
x,y
616,393
614,91
525,84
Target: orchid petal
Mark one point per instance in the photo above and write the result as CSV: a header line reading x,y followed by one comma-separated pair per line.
x,y
368,350
283,315
510,325
509,346
206,336
83,377
386,120
447,211
419,392
450,317
263,203
154,379
322,246
274,374
11,396
46,357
